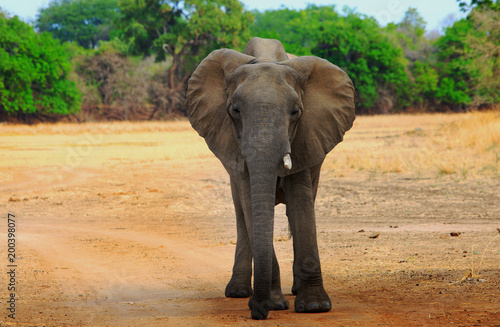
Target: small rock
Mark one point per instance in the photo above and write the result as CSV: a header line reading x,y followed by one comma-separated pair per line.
x,y
14,199
374,235
361,231
455,233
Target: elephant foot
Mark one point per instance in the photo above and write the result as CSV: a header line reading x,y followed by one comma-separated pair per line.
x,y
277,301
312,299
238,289
260,309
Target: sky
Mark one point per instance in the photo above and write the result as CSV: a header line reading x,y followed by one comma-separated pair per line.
x,y
435,12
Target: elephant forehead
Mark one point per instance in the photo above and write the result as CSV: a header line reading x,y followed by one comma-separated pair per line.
x,y
266,81
267,73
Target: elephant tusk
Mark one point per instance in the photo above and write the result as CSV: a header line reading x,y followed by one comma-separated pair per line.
x,y
287,161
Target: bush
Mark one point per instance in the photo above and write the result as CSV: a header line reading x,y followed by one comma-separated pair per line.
x,y
115,86
34,72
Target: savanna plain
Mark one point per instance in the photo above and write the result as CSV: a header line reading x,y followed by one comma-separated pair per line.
x,y
132,224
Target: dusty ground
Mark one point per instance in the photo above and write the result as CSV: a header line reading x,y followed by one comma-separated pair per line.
x,y
133,226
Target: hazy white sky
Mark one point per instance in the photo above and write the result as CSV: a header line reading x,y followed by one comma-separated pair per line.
x,y
385,11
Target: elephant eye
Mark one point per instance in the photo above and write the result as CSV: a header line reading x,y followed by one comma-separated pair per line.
x,y
235,111
295,110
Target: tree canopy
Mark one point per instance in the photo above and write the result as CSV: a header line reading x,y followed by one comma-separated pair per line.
x,y
399,66
352,41
85,22
136,55
184,30
469,65
482,4
34,72
356,43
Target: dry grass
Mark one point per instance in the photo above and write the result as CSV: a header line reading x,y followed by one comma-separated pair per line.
x,y
95,128
71,145
459,146
421,146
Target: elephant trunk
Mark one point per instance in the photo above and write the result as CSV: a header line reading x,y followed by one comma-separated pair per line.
x,y
263,190
264,156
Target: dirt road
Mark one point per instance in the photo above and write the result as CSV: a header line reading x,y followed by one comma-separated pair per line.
x,y
115,230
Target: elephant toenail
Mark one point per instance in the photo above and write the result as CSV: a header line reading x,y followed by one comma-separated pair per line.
x,y
312,307
279,306
326,305
301,308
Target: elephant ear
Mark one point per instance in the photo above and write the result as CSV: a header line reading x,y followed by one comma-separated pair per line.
x,y
206,101
328,99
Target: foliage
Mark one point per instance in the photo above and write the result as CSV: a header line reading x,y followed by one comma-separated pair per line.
x,y
297,30
83,21
113,82
185,27
425,83
419,58
187,30
484,56
469,60
356,44
398,66
139,54
352,41
33,72
482,4
409,34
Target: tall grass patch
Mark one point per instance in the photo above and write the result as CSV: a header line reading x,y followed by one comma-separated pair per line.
x,y
458,146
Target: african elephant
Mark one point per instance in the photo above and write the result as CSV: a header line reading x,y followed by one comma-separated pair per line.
x,y
271,121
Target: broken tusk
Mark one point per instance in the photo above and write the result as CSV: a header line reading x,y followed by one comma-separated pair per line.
x,y
287,161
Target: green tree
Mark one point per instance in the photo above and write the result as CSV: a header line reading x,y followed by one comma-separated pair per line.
x,y
419,57
33,72
481,4
352,41
357,44
484,56
425,83
469,63
298,30
186,31
83,21
453,86
410,35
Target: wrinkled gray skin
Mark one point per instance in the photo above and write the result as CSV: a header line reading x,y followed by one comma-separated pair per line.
x,y
253,108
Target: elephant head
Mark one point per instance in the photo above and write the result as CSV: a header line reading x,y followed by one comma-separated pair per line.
x,y
268,116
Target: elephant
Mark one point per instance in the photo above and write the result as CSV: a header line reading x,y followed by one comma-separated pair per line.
x,y
271,118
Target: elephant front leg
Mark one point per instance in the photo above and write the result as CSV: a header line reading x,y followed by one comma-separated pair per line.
x,y
240,284
300,190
